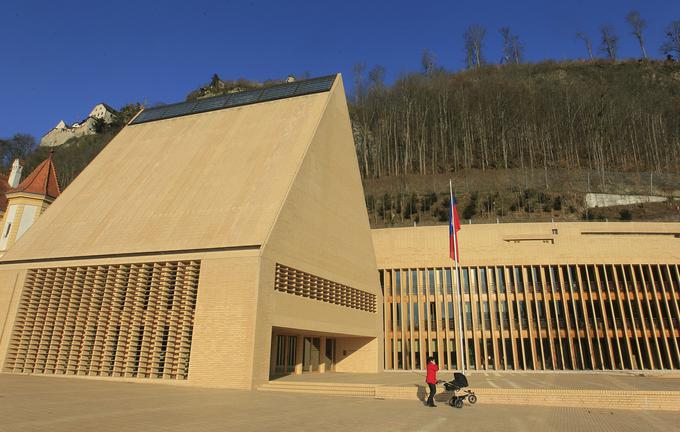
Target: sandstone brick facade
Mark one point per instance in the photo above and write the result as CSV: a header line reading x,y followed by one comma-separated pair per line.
x,y
235,192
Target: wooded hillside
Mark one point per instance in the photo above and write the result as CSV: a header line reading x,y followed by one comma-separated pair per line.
x,y
595,115
519,141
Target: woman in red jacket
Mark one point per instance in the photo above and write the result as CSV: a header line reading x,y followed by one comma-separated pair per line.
x,y
431,380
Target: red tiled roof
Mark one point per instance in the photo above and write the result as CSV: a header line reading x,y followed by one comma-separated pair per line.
x,y
42,181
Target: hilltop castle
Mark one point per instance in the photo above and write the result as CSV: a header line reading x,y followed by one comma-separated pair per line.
x,y
62,132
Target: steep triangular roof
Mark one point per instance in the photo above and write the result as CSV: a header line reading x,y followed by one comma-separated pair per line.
x,y
205,180
42,181
323,226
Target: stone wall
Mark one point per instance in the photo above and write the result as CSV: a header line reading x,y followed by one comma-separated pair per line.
x,y
57,137
608,200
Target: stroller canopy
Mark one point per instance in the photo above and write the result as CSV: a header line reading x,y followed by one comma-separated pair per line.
x,y
459,380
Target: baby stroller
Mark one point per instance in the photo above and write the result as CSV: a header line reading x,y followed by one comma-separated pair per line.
x,y
459,383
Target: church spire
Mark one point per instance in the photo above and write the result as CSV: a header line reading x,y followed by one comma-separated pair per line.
x,y
42,181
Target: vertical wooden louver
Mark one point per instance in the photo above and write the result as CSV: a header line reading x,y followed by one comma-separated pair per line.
x,y
127,320
534,317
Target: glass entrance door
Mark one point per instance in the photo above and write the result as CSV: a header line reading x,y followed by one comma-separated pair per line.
x,y
329,358
314,354
285,354
312,351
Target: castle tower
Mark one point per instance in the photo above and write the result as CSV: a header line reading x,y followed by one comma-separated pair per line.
x,y
27,200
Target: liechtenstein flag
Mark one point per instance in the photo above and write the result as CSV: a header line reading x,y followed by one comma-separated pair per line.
x,y
454,227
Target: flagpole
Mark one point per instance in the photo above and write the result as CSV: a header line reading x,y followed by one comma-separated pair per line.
x,y
460,296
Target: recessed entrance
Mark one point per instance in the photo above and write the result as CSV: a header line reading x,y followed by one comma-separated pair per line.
x,y
302,354
318,358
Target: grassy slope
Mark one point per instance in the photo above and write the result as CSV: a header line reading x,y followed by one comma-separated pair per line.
x,y
517,194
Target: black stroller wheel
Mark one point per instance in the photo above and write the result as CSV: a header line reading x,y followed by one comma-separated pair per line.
x,y
458,403
452,401
472,399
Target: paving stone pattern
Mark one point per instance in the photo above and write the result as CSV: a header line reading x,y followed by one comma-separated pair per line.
x,y
669,381
30,403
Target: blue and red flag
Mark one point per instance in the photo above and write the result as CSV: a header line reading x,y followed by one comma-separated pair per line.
x,y
454,227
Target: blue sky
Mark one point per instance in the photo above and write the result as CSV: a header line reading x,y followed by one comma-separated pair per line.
x,y
59,58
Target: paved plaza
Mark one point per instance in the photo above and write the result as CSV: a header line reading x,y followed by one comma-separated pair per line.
x,y
30,403
581,380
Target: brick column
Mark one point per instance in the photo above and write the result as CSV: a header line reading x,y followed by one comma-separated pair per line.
x,y
273,353
298,353
322,354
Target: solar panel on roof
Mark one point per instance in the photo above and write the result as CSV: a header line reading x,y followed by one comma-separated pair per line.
x,y
178,110
149,115
210,104
278,92
243,98
297,88
314,86
141,117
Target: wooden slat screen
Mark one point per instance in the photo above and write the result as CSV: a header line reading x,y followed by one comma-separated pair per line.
x,y
124,320
533,317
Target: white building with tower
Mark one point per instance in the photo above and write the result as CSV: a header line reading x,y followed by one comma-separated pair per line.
x,y
26,200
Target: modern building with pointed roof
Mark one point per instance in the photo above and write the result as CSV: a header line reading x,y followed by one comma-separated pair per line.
x,y
217,242
225,241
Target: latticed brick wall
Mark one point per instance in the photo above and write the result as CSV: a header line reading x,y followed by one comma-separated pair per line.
x,y
297,282
128,320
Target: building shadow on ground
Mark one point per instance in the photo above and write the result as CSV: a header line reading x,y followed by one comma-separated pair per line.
x,y
441,396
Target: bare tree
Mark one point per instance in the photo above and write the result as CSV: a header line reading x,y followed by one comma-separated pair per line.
x,y
637,25
609,42
474,37
358,70
517,49
19,146
671,47
505,33
589,44
427,61
469,55
377,76
512,49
